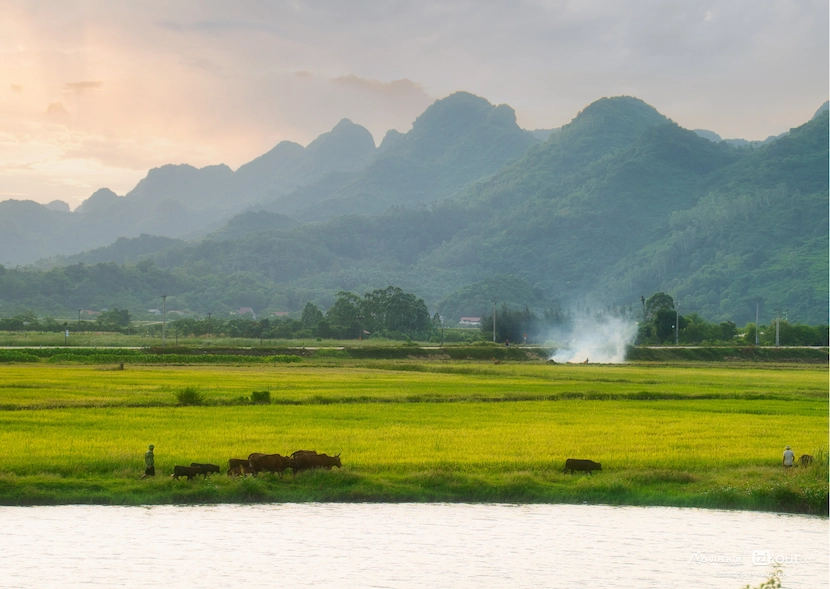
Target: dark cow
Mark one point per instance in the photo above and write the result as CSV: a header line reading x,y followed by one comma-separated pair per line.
x,y
294,454
205,469
306,460
270,462
575,464
185,471
239,466
240,470
805,460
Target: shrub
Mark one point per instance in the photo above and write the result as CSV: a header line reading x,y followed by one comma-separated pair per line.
x,y
14,356
261,397
189,396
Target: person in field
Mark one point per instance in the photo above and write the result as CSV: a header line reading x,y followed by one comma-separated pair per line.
x,y
149,463
789,456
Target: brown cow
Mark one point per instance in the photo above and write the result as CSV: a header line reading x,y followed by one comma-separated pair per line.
x,y
306,460
185,471
240,470
239,466
270,462
205,469
573,465
805,460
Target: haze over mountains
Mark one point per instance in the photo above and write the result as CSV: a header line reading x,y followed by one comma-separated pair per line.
x,y
463,208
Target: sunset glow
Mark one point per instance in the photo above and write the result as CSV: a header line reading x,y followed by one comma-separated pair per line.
x,y
95,94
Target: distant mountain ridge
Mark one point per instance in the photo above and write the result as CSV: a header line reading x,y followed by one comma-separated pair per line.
x,y
177,200
457,140
619,203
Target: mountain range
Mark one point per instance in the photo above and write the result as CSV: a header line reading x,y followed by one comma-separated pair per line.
x,y
464,208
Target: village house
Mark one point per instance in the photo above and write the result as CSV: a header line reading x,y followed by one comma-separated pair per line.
x,y
470,322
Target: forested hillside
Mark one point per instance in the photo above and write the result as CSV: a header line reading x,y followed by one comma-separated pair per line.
x,y
618,204
455,141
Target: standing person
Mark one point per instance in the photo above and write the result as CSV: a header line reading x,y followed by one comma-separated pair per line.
x,y
789,456
149,462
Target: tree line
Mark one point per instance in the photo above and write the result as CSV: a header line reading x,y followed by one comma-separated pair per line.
x,y
656,325
391,313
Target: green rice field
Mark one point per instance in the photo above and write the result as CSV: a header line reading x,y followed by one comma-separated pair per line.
x,y
708,435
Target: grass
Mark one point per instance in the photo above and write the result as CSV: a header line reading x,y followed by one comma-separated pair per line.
x,y
418,431
339,381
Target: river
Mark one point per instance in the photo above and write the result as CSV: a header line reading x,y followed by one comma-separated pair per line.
x,y
406,546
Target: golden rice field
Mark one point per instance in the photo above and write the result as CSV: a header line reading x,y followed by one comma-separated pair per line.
x,y
464,431
50,385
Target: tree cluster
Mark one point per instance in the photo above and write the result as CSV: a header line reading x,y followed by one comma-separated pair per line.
x,y
390,313
520,325
663,324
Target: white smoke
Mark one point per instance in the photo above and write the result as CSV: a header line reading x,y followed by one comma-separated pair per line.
x,y
597,339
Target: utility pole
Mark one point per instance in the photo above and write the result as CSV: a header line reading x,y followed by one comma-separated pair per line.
x,y
79,320
778,328
757,327
643,300
494,319
677,324
163,318
209,315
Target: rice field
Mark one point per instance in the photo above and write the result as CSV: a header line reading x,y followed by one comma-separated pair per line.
x,y
56,385
687,435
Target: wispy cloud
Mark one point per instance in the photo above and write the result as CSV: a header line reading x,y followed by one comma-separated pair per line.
x,y
396,89
56,109
14,167
80,87
218,26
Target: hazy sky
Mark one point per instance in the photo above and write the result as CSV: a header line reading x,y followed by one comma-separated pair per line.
x,y
95,93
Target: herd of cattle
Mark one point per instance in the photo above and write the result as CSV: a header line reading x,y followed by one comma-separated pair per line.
x,y
258,462
308,459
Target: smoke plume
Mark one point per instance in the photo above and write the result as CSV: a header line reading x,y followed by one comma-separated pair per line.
x,y
600,339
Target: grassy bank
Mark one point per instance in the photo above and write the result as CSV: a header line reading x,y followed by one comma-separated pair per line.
x,y
759,489
420,431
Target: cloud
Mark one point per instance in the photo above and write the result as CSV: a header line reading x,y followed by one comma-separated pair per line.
x,y
128,154
56,109
402,89
79,87
223,83
14,167
221,26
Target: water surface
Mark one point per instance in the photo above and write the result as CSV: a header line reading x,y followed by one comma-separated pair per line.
x,y
406,546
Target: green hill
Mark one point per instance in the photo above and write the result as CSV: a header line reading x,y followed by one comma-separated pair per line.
x,y
456,141
618,204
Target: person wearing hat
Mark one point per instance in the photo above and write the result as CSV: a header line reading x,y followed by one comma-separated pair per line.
x,y
149,462
789,456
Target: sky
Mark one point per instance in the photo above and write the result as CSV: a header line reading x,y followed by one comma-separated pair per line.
x,y
95,93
